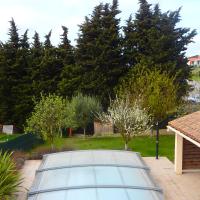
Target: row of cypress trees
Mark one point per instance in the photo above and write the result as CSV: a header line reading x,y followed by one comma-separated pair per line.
x,y
104,54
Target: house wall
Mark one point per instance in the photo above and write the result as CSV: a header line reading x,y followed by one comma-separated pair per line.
x,y
194,61
191,155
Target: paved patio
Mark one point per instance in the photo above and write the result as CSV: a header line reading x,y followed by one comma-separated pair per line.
x,y
28,175
176,187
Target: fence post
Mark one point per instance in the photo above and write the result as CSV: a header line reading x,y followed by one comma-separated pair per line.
x,y
157,140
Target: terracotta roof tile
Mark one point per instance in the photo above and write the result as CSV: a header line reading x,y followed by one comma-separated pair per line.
x,y
189,125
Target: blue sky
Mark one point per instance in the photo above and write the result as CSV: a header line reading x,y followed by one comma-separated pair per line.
x,y
44,15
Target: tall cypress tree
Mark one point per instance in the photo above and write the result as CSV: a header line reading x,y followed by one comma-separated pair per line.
x,y
14,78
65,49
47,42
99,51
50,68
5,87
68,84
128,46
37,53
22,90
14,36
36,41
9,74
153,37
88,51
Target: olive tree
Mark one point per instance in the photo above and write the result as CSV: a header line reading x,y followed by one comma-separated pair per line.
x,y
85,109
129,119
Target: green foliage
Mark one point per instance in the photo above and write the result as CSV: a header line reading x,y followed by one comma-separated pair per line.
x,y
105,52
9,177
36,41
65,50
156,91
85,107
52,113
99,52
47,42
15,91
196,74
14,36
70,80
48,117
187,108
153,36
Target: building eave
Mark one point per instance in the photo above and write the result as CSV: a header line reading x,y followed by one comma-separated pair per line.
x,y
183,135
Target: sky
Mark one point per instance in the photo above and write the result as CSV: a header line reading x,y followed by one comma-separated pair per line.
x,y
44,15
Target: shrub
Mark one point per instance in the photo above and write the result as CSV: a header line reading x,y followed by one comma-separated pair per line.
x,y
48,118
9,177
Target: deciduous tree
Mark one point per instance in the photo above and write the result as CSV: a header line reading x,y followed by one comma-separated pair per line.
x,y
130,119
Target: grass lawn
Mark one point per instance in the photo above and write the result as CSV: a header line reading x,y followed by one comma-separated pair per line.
x,y
196,74
143,144
4,137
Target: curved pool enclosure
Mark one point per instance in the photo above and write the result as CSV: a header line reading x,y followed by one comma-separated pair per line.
x,y
94,175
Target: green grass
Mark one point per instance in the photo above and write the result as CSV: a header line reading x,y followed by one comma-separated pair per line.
x,y
4,137
143,144
195,78
195,74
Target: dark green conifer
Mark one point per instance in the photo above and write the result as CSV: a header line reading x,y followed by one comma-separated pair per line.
x,y
47,42
68,83
13,34
153,37
36,41
99,52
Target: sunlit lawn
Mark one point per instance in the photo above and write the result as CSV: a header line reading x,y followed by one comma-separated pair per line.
x,y
143,144
196,74
4,137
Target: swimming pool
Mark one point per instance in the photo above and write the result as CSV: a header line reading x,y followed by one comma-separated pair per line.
x,y
94,175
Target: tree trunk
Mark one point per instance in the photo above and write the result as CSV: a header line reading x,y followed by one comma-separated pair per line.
x,y
60,131
126,146
157,140
52,139
52,146
84,132
151,131
70,132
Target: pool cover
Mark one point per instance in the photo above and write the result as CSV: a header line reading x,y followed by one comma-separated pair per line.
x,y
94,175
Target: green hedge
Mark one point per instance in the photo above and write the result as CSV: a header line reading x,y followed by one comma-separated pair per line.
x,y
24,142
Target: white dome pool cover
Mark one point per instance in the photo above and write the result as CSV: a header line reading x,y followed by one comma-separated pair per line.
x,y
94,175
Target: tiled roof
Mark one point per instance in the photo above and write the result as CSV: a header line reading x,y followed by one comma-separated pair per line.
x,y
193,58
188,125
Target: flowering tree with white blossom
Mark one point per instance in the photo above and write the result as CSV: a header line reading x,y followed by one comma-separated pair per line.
x,y
130,119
